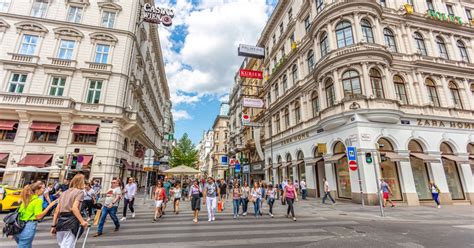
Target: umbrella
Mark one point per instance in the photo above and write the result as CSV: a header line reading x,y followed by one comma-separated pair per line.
x,y
182,170
26,169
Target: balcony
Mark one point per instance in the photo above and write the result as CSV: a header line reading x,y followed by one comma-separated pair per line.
x,y
36,101
63,62
99,66
22,58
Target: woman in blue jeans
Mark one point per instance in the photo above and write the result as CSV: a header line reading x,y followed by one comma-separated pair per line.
x,y
236,194
256,196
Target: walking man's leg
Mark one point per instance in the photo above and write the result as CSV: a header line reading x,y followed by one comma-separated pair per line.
x,y
113,215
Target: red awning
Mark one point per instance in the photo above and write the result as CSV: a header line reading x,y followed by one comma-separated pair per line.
x,y
85,128
127,165
7,125
3,156
87,160
44,127
38,160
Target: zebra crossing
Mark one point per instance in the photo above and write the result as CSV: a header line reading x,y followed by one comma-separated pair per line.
x,y
179,231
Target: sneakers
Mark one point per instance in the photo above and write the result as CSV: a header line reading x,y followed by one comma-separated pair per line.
x,y
393,206
294,219
209,220
97,234
133,215
195,220
244,214
213,218
439,206
116,229
123,219
271,215
235,217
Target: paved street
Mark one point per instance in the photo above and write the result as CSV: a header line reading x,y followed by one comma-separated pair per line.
x,y
342,225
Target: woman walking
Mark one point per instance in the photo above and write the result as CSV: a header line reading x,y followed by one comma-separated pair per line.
x,y
435,193
236,194
159,197
256,197
245,198
30,212
176,191
271,194
290,195
89,200
195,193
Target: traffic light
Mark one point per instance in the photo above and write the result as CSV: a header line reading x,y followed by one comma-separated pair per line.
x,y
73,162
368,157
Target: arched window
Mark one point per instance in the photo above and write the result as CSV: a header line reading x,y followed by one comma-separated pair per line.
x,y
310,60
297,112
284,83
455,94
462,51
324,44
315,103
451,172
390,40
277,123
276,90
376,81
351,83
319,6
288,158
472,89
286,115
330,95
294,73
400,89
344,34
443,52
420,44
367,31
432,92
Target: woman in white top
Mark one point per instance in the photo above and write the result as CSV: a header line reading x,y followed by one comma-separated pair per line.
x,y
271,194
176,191
256,197
245,198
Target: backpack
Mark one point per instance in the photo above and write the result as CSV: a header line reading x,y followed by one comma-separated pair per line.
x,y
13,225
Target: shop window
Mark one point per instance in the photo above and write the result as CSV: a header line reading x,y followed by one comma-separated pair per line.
x,y
420,44
343,179
432,92
376,82
390,40
301,166
330,94
453,87
463,51
389,170
367,32
351,83
452,173
344,34
420,172
46,137
443,52
400,89
44,132
85,138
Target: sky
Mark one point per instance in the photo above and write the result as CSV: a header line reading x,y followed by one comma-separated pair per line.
x,y
200,53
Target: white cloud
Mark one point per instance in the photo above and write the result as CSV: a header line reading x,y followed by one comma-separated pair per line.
x,y
180,115
224,98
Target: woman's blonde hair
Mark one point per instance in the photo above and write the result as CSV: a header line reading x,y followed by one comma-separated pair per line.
x,y
77,182
28,191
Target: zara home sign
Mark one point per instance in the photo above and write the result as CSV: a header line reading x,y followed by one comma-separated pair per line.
x,y
157,15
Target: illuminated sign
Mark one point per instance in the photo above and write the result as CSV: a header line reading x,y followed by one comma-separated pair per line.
x,y
250,74
157,15
435,15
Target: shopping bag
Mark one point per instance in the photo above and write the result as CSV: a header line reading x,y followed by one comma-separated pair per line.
x,y
219,206
97,217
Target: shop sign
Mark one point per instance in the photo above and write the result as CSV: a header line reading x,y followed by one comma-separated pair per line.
x,y
250,74
252,124
246,168
322,148
252,102
251,51
435,15
446,124
224,160
245,119
257,167
295,138
157,15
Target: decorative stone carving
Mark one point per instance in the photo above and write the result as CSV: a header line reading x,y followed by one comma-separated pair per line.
x,y
101,36
68,32
31,27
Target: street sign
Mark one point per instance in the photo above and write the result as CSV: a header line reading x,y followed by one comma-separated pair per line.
x,y
252,124
351,153
250,74
353,165
245,119
251,51
252,102
148,169
156,163
246,168
224,160
237,167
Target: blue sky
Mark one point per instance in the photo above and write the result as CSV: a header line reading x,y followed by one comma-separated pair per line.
x,y
200,53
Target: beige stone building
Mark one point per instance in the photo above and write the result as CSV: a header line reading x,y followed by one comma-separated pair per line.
x,y
379,75
218,155
84,75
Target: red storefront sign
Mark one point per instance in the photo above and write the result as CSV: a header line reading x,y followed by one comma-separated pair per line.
x,y
251,74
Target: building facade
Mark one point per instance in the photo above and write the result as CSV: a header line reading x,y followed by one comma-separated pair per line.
x,y
204,147
218,155
83,78
390,78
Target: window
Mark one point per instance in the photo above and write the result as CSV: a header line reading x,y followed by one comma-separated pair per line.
x,y
39,8
468,14
74,14
290,15
400,89
4,5
344,34
47,137
66,49
443,52
383,3
455,94
351,83
93,94
28,44
330,95
274,39
462,51
17,83
286,115
269,97
315,103
282,51
319,6
275,90
324,44
277,123
376,82
57,86
281,28
125,145
432,93
9,133
307,24
294,73
101,53
310,60
292,38
367,31
429,4
85,138
108,19
297,112
390,40
284,83
450,9
420,44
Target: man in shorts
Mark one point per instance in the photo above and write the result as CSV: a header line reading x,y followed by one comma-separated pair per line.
x,y
167,186
386,191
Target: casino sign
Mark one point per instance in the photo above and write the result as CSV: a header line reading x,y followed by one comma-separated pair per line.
x,y
157,15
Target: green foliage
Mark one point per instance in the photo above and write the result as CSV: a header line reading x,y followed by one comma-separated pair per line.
x,y
184,153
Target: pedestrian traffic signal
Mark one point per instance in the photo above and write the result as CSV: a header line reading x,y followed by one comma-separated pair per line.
x,y
73,162
368,157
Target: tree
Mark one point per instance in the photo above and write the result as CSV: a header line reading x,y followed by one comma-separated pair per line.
x,y
184,153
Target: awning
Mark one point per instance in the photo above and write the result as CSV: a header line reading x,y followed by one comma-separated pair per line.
x,y
127,165
38,160
313,161
85,128
425,157
471,159
394,157
3,156
268,166
7,125
286,164
47,127
87,160
298,163
456,158
335,157
276,165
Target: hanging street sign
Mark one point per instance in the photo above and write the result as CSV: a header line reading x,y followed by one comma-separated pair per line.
x,y
252,102
251,51
250,74
245,119
252,124
157,15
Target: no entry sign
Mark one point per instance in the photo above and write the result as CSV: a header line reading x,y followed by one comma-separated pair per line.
x,y
353,165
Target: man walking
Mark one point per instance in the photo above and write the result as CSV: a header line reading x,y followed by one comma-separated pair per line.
x,y
167,186
130,191
97,188
386,191
304,190
112,199
211,194
327,192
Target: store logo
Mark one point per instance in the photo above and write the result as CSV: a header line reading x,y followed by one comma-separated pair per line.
x,y
447,124
435,15
296,138
157,15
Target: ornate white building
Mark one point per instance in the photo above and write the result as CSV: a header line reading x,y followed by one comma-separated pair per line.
x,y
84,75
361,73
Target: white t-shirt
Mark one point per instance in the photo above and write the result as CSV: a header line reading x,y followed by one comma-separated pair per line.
x,y
111,195
131,190
326,186
88,194
303,184
177,193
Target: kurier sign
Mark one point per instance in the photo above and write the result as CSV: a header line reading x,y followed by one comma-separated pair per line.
x,y
252,102
250,74
251,51
157,15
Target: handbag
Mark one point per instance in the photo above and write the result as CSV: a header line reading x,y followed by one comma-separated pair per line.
x,y
13,224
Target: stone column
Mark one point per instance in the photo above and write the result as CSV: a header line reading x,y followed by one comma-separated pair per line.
x,y
452,47
338,91
378,32
406,39
331,37
468,179
357,29
414,96
425,99
322,96
304,107
407,182
390,88
469,103
439,178
447,93
295,172
311,180
367,90
275,176
331,177
432,45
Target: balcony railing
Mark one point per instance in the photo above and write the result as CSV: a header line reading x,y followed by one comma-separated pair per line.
x,y
63,62
40,101
99,66
24,58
